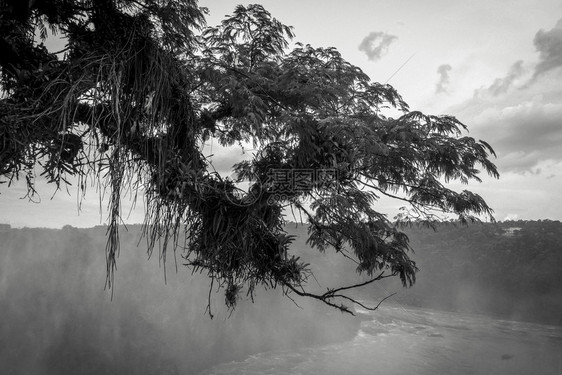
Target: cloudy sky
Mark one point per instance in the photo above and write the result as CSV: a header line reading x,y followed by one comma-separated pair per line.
x,y
494,64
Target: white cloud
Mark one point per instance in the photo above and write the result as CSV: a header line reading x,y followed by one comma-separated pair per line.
x,y
511,217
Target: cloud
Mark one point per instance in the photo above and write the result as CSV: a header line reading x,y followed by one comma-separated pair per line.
x,y
375,45
511,217
532,126
502,85
523,130
524,125
443,71
549,46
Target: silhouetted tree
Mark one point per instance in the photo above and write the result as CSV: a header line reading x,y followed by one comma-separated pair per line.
x,y
142,84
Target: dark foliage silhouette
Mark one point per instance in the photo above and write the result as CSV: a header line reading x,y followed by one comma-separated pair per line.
x,y
142,84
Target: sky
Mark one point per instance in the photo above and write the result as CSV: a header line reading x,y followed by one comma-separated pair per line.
x,y
496,65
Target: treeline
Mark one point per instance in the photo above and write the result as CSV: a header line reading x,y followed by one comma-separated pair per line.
x,y
58,319
510,270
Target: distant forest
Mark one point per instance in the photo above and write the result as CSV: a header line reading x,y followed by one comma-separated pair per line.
x,y
57,319
510,270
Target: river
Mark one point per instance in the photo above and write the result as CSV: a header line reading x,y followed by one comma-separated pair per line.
x,y
400,340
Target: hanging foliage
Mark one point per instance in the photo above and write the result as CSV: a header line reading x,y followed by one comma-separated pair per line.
x,y
142,84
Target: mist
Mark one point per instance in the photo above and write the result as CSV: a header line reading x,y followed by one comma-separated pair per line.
x,y
508,270
58,319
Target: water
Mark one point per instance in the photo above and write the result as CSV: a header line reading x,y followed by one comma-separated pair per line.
x,y
397,340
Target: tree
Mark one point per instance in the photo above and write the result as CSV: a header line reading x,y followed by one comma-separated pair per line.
x,y
142,84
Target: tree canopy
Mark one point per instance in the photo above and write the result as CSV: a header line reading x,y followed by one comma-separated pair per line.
x,y
142,84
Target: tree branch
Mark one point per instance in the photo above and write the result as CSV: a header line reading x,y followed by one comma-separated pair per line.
x,y
332,294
